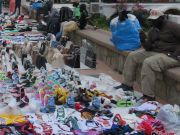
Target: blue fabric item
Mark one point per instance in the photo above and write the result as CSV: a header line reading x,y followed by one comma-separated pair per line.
x,y
58,36
70,101
137,24
96,102
37,5
54,44
125,35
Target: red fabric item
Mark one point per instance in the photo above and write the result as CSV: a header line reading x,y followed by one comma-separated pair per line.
x,y
1,28
47,129
12,6
78,106
21,18
152,126
118,118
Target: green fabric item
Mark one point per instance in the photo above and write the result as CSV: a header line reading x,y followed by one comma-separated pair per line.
x,y
124,103
7,31
139,113
3,76
60,114
77,13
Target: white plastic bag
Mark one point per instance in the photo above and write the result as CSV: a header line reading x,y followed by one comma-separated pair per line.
x,y
167,114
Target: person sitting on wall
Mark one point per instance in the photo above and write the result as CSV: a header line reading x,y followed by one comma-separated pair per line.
x,y
76,12
76,24
161,51
125,32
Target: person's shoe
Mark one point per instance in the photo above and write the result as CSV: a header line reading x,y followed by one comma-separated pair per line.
x,y
144,99
124,87
148,98
24,101
50,107
13,91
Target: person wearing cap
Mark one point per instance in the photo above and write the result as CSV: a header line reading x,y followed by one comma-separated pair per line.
x,y
125,31
161,50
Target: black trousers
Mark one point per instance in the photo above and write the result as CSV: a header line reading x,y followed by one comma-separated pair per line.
x,y
22,58
18,5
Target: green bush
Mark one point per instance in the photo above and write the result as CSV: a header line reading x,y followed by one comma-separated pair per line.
x,y
99,21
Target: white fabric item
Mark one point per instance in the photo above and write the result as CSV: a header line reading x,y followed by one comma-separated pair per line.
x,y
146,106
104,122
131,17
32,117
155,14
58,59
38,128
170,116
53,38
12,103
68,44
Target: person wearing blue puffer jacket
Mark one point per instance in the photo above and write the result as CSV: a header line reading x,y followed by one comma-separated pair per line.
x,y
125,32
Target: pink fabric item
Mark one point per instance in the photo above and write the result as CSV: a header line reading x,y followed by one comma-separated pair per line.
x,y
20,19
12,6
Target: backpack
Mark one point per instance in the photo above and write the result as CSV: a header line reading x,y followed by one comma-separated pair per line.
x,y
65,14
54,26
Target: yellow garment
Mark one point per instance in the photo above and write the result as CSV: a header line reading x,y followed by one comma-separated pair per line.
x,y
89,95
61,95
6,119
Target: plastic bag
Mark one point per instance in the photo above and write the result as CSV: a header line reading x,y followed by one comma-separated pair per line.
x,y
167,114
125,35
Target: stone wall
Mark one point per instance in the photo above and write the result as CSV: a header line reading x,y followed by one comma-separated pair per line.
x,y
105,52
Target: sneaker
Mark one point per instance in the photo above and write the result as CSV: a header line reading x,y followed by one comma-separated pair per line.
x,y
24,101
50,107
144,99
13,91
147,98
60,114
124,87
71,101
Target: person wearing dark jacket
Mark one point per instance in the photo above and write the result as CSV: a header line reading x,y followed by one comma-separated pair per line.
x,y
84,17
1,6
161,52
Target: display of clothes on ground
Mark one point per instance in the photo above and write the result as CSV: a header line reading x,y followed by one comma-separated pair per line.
x,y
61,101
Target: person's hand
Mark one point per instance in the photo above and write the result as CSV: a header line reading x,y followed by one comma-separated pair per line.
x,y
175,55
142,36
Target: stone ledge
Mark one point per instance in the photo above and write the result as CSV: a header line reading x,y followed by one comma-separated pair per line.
x,y
174,73
101,38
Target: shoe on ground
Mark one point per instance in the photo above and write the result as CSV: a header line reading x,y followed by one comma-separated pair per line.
x,y
144,99
24,101
124,87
